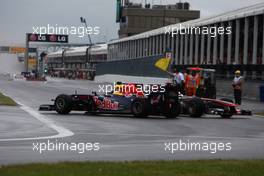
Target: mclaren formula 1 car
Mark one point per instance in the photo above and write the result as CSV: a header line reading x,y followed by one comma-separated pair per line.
x,y
128,100
205,101
197,107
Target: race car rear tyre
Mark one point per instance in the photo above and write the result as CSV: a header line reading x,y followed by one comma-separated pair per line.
x,y
63,104
196,107
92,108
171,109
139,107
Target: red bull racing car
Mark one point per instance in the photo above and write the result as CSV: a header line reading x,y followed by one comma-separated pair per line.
x,y
129,100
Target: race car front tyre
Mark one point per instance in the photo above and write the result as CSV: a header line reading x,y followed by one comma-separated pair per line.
x,y
171,109
196,107
139,107
227,114
63,104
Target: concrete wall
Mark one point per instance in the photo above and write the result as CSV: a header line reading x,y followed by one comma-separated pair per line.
x,y
134,67
250,89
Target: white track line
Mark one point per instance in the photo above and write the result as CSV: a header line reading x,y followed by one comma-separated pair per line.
x,y
62,132
176,136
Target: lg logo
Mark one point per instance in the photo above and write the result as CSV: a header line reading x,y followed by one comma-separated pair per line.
x,y
54,38
62,39
35,37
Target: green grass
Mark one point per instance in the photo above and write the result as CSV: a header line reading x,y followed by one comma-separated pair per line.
x,y
140,168
4,100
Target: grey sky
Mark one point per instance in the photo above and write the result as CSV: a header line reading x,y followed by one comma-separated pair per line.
x,y
19,16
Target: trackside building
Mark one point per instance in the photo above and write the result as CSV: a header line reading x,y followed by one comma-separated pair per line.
x,y
241,46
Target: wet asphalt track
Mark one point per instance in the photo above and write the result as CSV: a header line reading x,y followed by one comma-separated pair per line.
x,y
120,137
